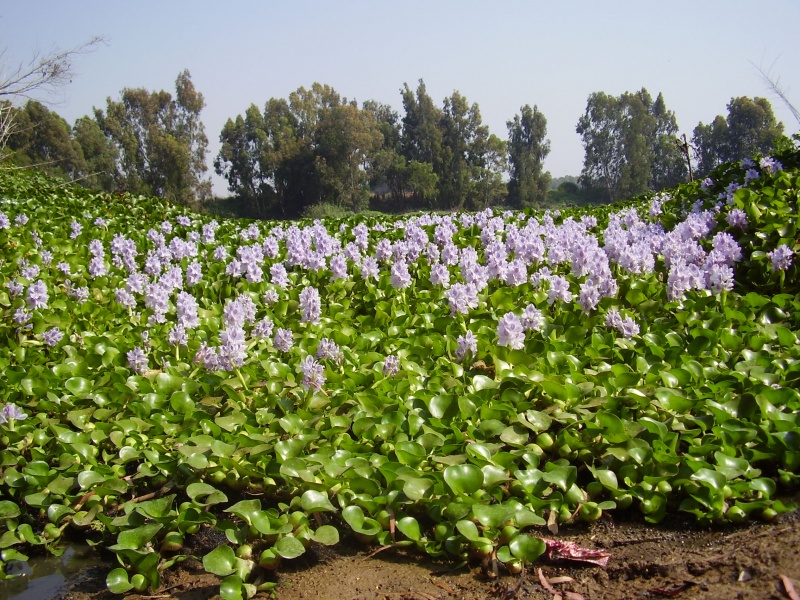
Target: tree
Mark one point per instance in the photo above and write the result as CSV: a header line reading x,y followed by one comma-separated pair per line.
x,y
749,129
629,144
98,154
527,150
160,141
42,139
422,138
668,168
347,140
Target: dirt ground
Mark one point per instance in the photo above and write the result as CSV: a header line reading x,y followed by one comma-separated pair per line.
x,y
672,560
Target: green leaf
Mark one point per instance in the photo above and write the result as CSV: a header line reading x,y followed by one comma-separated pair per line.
x,y
526,547
231,587
134,539
220,561
713,479
463,479
409,527
327,535
562,476
205,494
117,581
8,510
289,547
313,501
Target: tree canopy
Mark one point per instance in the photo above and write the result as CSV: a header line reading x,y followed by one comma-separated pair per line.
x,y
160,141
629,144
750,128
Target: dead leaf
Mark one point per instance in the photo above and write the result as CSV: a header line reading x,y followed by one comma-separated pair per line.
x,y
788,587
561,550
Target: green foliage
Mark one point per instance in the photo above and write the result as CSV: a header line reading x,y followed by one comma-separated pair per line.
x,y
461,460
527,150
750,128
629,144
160,141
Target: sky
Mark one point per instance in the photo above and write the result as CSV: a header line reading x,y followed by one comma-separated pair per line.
x,y
500,54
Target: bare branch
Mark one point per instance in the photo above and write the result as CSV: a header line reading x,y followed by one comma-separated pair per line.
x,y
47,73
774,85
7,124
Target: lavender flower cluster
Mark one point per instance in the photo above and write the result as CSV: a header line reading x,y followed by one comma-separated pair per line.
x,y
567,261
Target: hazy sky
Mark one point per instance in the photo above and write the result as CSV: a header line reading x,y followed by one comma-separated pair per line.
x,y
499,54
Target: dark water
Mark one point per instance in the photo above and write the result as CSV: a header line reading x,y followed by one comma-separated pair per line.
x,y
44,577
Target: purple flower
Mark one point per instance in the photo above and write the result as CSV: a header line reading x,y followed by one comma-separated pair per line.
x,y
11,412
751,175
194,273
177,336
391,365
532,319
270,297
310,305
97,267
510,332
467,346
21,315
313,373
31,272
338,267
187,310
769,165
737,218
183,221
400,278
124,297
625,325
137,360
283,340
328,349
220,253
100,222
37,296
263,328
52,336
21,219
559,290
781,257
278,275
726,248
707,183
440,275
233,351
461,298
4,221
14,287
719,277
369,268
208,232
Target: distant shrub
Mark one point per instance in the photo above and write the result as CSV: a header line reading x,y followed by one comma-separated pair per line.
x,y
326,210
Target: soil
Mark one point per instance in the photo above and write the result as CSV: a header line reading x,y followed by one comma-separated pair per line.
x,y
673,560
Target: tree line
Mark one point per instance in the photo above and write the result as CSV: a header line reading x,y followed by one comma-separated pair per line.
x,y
317,147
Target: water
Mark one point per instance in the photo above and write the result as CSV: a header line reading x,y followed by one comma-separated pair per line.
x,y
43,577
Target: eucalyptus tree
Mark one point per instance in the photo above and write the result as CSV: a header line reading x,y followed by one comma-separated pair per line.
x,y
750,128
42,139
160,140
99,155
527,149
629,144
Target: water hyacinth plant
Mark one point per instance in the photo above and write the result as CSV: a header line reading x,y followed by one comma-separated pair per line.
x,y
447,383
